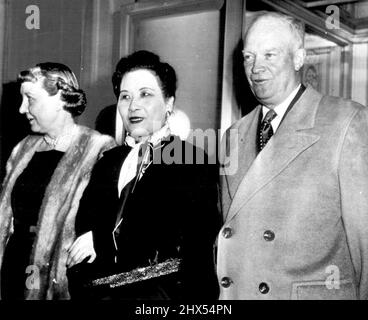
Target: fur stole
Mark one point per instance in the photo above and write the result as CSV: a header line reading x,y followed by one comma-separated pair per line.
x,y
55,229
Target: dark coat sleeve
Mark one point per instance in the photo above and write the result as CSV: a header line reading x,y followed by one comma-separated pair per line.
x,y
98,206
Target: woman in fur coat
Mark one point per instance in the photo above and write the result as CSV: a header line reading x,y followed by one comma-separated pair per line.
x,y
148,218
46,175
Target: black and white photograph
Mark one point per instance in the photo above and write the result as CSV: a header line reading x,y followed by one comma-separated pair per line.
x,y
159,152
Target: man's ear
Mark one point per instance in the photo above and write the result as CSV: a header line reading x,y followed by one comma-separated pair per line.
x,y
299,57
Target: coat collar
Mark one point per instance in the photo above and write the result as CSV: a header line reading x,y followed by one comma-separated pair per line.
x,y
293,137
239,151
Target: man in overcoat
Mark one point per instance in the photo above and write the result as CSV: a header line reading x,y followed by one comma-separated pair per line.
x,y
295,211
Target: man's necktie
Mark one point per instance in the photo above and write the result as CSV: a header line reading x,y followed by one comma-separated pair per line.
x,y
266,131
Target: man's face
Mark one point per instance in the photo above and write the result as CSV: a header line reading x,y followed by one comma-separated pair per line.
x,y
270,61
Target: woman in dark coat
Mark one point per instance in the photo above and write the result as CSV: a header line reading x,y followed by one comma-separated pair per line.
x,y
148,219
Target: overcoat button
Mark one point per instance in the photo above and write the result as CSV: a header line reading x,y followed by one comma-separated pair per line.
x,y
268,235
227,232
226,282
264,288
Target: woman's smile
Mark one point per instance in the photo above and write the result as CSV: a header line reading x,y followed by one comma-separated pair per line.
x,y
135,119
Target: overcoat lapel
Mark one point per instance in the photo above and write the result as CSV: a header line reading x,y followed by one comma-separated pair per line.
x,y
289,141
242,151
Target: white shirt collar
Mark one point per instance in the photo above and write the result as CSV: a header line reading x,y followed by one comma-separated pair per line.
x,y
280,109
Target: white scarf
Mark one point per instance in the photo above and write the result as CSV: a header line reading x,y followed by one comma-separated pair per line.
x,y
129,168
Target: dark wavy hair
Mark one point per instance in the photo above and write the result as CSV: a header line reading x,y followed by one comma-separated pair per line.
x,y
55,77
147,60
